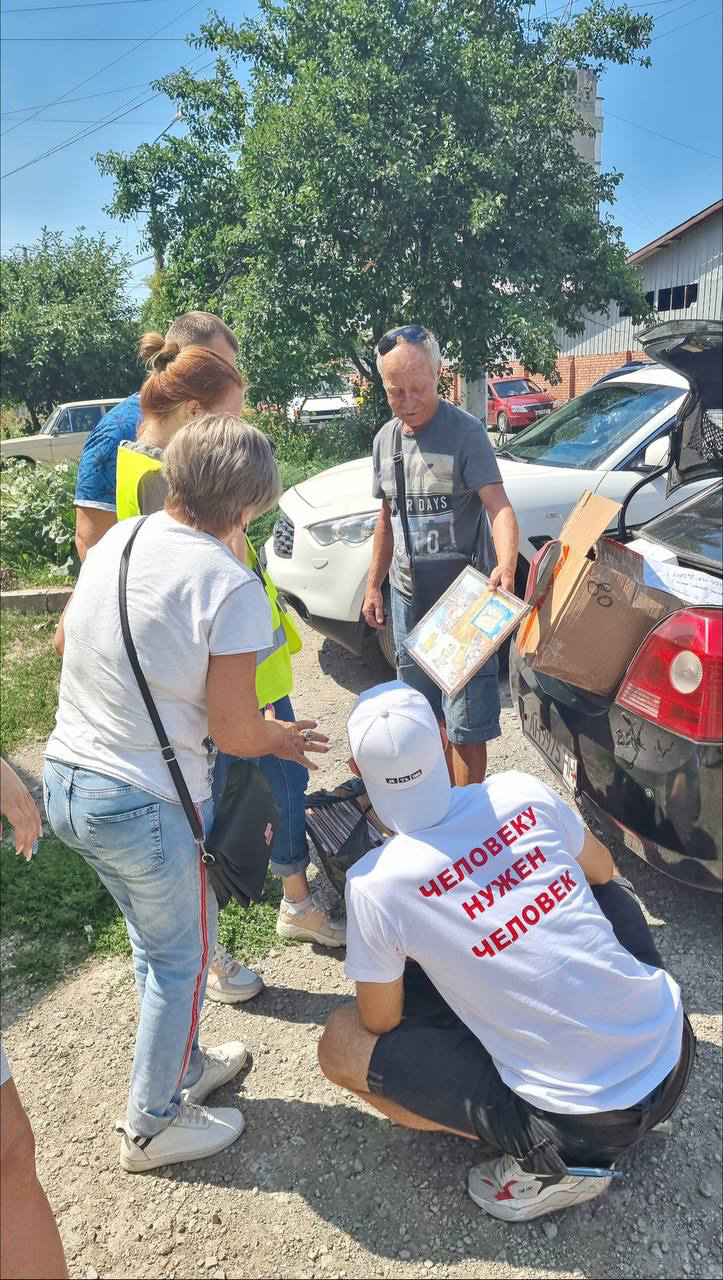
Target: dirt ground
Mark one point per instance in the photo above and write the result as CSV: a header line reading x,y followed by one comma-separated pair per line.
x,y
319,1186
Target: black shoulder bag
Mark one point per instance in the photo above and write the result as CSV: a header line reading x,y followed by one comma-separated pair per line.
x,y
431,574
236,853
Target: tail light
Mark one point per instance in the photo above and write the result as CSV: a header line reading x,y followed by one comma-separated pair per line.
x,y
540,555
676,678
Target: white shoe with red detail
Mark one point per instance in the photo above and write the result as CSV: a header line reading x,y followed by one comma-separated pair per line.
x,y
504,1190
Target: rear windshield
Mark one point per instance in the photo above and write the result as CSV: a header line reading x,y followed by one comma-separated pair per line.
x,y
586,430
694,527
516,387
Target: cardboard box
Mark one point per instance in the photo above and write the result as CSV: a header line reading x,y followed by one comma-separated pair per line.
x,y
591,606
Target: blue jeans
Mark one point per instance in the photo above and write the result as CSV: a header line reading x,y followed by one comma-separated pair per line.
x,y
474,714
143,851
289,852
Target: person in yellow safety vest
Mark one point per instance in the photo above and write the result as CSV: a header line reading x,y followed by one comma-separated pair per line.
x,y
140,488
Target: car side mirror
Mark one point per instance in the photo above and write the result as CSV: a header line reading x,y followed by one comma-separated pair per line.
x,y
657,453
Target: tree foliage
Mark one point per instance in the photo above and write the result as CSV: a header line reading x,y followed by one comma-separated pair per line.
x,y
407,160
69,331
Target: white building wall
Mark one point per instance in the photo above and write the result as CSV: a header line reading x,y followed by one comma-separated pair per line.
x,y
696,257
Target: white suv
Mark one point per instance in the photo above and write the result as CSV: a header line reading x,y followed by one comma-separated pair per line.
x,y
62,435
605,440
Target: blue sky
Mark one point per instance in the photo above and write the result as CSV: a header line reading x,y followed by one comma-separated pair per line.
x,y
664,183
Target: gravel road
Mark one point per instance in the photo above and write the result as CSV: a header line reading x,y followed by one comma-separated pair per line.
x,y
319,1186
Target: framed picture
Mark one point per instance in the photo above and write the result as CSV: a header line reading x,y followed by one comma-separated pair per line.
x,y
465,627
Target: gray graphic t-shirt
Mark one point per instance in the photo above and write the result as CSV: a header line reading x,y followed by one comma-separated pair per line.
x,y
445,464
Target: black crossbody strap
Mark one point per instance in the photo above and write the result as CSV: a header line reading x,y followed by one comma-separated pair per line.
x,y
401,489
167,751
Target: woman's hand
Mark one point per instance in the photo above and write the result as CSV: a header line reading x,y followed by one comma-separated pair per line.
x,y
297,738
21,810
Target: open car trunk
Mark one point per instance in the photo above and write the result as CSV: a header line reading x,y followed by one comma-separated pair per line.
x,y
693,348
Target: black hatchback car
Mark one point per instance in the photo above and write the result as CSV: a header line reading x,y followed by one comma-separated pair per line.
x,y
647,760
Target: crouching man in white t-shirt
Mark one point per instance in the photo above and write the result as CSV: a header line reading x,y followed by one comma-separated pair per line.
x,y
495,998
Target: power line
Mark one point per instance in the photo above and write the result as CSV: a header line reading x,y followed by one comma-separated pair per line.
x,y
665,137
689,23
76,120
17,111
100,124
93,39
98,4
107,67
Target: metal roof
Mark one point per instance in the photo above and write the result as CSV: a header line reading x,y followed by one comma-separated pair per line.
x,y
680,230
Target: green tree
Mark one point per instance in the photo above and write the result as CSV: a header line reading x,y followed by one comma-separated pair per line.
x,y
69,331
402,161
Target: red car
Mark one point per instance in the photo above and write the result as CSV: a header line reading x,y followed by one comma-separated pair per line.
x,y
513,403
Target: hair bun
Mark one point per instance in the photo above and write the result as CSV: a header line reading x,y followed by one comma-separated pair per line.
x,y
156,352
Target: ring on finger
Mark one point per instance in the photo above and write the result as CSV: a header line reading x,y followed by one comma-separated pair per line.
x,y
307,735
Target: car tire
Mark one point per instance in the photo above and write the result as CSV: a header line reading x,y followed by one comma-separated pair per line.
x,y
503,421
385,640
13,457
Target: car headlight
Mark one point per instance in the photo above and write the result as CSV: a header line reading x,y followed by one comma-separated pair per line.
x,y
351,529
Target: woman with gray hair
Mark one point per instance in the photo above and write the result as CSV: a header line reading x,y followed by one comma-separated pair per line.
x,y
198,617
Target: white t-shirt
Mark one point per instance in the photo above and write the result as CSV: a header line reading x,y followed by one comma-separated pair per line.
x,y
573,1023
188,598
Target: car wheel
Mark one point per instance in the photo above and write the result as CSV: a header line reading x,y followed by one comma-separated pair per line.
x,y
13,458
502,421
385,640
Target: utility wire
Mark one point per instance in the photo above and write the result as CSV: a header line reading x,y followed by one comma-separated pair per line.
x,y
689,23
93,39
665,137
85,97
107,66
100,124
47,8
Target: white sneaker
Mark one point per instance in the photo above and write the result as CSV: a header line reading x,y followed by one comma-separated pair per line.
x,y
312,924
195,1133
503,1189
229,981
219,1066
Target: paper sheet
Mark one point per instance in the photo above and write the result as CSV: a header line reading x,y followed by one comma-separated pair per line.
x,y
690,585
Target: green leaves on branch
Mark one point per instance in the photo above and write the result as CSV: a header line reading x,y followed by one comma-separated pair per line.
x,y
37,517
407,160
69,331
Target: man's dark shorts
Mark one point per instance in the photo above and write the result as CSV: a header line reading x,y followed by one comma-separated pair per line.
x,y
433,1066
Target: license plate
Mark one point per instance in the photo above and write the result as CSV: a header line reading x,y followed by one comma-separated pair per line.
x,y
562,760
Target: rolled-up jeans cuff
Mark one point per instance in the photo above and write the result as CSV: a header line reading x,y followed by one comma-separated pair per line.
x,y
290,868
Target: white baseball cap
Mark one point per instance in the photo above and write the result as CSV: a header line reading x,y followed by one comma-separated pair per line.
x,y
395,741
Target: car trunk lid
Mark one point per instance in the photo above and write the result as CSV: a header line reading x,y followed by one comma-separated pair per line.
x,y
693,348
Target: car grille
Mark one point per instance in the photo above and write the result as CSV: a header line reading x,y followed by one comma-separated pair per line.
x,y
284,537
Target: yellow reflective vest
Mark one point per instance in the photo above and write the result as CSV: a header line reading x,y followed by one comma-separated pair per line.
x,y
274,677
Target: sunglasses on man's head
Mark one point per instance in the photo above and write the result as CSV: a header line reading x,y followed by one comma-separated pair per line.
x,y
407,332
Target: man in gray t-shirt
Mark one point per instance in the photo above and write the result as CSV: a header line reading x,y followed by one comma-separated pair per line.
x,y
445,466
455,502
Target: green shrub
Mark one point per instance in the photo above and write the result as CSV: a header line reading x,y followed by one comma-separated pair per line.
x,y
37,521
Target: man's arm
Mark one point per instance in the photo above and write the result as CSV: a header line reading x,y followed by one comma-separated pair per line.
x,y
382,551
90,525
596,861
380,1005
505,532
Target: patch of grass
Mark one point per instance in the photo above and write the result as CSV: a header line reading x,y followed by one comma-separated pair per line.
x,y
30,674
251,934
54,909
